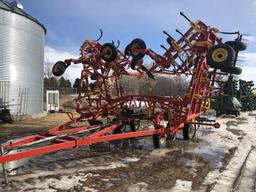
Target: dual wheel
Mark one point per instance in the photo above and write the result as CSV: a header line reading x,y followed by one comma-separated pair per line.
x,y
108,51
134,125
223,56
189,132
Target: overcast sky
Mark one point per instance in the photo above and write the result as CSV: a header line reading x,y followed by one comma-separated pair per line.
x,y
70,22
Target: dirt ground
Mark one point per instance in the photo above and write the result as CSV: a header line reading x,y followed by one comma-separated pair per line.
x,y
127,165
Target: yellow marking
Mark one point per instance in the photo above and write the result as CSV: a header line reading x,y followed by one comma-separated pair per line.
x,y
219,55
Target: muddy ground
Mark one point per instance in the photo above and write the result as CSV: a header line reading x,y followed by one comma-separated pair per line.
x,y
127,165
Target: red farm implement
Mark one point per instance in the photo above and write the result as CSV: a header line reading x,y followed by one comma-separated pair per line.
x,y
199,55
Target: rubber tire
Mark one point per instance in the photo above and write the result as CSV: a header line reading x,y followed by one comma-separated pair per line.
x,y
133,127
156,141
226,63
95,122
59,68
94,77
7,118
127,50
186,131
113,54
140,45
237,45
232,70
133,63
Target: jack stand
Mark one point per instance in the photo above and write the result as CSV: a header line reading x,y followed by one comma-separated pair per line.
x,y
4,168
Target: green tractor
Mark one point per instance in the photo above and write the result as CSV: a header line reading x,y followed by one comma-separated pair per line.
x,y
226,102
246,96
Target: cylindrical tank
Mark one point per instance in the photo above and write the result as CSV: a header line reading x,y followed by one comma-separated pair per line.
x,y
21,59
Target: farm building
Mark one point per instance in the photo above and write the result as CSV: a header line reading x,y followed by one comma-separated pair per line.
x,y
21,60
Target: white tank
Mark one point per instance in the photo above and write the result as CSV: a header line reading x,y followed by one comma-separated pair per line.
x,y
21,59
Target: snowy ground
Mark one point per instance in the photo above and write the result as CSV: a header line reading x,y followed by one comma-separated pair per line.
x,y
211,162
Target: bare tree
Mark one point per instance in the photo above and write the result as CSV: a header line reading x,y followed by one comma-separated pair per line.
x,y
162,86
48,69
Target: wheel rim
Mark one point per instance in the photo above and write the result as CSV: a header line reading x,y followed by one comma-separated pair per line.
x,y
219,55
134,49
162,140
137,124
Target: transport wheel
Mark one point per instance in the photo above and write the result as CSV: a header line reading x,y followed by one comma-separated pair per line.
x,y
95,122
127,50
220,56
108,52
170,137
133,63
189,131
94,76
134,46
134,125
59,68
232,70
237,45
158,141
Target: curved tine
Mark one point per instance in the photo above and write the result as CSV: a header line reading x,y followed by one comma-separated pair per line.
x,y
230,33
101,34
113,42
118,43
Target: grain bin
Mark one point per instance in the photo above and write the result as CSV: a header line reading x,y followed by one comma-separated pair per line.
x,y
21,60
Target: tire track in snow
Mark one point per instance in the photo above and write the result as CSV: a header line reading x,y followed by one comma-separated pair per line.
x,y
246,176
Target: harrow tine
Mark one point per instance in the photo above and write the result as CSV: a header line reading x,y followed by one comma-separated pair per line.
x,y
165,32
230,33
118,43
178,31
101,34
182,14
164,47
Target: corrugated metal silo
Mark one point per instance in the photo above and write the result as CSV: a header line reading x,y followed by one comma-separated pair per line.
x,y
21,59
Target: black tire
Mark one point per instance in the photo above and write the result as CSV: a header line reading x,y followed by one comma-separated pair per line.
x,y
237,45
59,68
137,44
94,77
232,70
108,52
161,142
189,131
170,137
118,130
133,63
134,125
158,142
95,122
127,50
220,56
7,118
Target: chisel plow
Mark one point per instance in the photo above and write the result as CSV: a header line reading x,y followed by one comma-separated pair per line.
x,y
199,55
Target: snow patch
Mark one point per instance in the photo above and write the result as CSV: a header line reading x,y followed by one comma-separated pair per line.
x,y
182,186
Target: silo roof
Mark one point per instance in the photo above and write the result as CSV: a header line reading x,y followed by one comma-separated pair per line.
x,y
8,7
